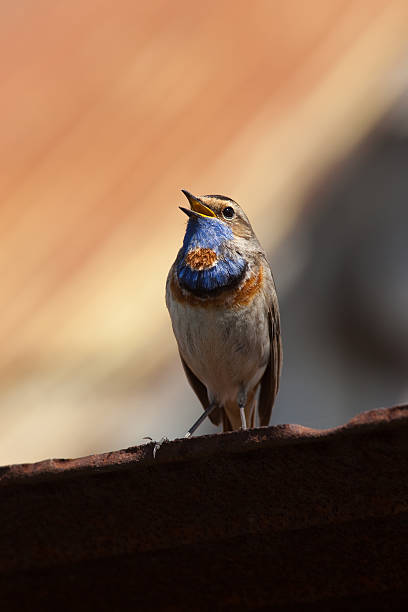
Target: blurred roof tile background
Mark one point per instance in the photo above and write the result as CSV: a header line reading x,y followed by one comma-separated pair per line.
x,y
107,110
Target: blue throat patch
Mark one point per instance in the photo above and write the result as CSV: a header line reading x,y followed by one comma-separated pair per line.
x,y
209,233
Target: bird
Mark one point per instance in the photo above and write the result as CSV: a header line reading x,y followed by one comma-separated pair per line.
x,y
223,305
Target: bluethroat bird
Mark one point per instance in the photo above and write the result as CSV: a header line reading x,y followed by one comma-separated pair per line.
x,y
225,315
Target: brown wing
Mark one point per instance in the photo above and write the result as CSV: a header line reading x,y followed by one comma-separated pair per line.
x,y
201,392
270,379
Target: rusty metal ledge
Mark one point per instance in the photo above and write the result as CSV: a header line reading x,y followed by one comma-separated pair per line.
x,y
205,446
282,517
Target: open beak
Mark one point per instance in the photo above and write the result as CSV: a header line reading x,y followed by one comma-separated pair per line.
x,y
197,206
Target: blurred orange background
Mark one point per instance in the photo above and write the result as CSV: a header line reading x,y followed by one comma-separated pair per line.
x,y
107,110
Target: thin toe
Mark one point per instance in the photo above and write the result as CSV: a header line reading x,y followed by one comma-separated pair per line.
x,y
158,445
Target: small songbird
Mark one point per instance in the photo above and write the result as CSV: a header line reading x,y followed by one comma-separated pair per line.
x,y
224,310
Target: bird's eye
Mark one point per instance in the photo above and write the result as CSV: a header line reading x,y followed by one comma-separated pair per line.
x,y
228,212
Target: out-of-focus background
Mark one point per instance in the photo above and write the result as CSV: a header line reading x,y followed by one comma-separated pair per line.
x,y
297,110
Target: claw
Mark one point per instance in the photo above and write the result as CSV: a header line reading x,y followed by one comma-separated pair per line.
x,y
158,445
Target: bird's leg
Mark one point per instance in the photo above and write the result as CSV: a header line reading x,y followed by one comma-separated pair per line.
x,y
242,400
202,418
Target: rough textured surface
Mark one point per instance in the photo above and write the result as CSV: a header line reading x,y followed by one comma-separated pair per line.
x,y
285,516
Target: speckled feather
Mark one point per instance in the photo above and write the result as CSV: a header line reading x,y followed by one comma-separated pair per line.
x,y
224,310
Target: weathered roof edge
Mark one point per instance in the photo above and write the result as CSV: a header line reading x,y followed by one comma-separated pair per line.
x,y
203,446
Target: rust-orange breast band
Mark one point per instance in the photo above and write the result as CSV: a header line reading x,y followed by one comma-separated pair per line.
x,y
200,259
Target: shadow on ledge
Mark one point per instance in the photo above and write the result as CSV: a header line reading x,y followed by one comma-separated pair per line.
x,y
281,517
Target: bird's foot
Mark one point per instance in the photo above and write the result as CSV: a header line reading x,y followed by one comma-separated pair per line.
x,y
158,445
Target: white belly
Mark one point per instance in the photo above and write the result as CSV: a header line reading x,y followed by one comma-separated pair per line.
x,y
227,350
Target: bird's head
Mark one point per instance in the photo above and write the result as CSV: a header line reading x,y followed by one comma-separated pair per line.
x,y
229,216
213,252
